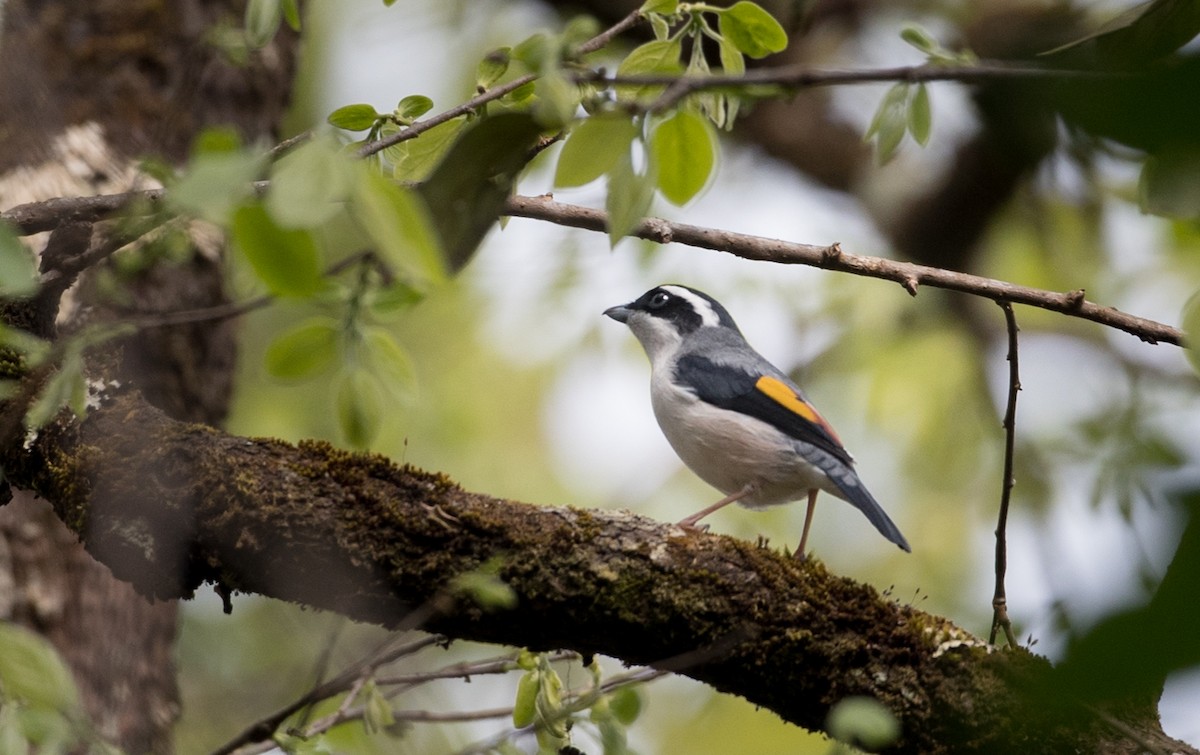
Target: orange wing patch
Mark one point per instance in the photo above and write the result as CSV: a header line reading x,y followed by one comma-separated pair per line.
x,y
780,393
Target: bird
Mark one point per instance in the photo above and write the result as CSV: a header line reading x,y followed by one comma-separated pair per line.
x,y
736,420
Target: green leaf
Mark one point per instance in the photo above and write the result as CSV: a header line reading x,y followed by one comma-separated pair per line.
x,y
919,38
385,302
1191,329
216,182
414,159
467,190
660,26
557,99
628,200
32,672
752,30
62,389
1169,184
309,184
683,151
390,362
262,21
493,66
287,261
397,221
487,590
656,57
920,116
863,721
592,148
358,117
626,704
377,711
412,107
291,14
18,274
359,402
304,350
524,707
890,122
665,7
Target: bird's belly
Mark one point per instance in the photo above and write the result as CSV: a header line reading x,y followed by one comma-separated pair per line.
x,y
729,451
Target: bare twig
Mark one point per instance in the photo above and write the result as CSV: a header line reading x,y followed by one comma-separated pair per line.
x,y
263,729
999,598
794,77
907,274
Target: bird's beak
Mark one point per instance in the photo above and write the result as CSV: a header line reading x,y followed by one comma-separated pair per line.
x,y
619,313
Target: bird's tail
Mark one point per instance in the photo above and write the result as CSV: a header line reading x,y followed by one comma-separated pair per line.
x,y
850,488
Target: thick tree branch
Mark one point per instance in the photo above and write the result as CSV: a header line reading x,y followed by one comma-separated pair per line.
x,y
910,276
169,505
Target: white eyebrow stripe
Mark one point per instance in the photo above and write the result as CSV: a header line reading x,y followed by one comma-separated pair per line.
x,y
708,315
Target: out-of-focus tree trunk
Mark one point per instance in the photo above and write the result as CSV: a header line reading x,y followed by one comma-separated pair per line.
x,y
85,90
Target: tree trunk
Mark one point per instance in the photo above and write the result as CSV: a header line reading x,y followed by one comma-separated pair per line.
x,y
85,89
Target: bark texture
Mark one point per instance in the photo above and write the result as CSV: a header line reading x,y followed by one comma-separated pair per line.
x,y
169,505
85,90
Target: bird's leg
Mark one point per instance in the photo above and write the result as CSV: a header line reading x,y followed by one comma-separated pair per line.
x,y
812,505
739,495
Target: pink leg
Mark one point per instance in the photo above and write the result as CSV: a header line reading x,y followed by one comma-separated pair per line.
x,y
812,505
691,520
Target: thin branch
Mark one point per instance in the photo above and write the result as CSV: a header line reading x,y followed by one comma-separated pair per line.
x,y
263,729
999,598
910,276
470,106
794,77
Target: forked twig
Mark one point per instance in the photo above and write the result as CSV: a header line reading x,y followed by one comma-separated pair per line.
x,y
999,598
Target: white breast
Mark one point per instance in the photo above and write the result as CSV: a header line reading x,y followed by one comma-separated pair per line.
x,y
729,450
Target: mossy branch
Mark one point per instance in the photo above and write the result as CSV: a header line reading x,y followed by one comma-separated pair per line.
x,y
169,505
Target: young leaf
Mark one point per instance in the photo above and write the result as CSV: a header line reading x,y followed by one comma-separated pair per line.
x,y
683,152
18,275
593,147
262,21
659,56
1169,184
291,14
557,99
390,362
215,184
628,200
524,707
468,188
359,117
665,7
304,350
309,184
863,720
890,122
412,107
919,38
32,672
287,261
1191,328
398,222
359,403
752,30
920,117
493,66
414,159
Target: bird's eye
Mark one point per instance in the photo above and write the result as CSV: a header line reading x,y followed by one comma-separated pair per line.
x,y
658,301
